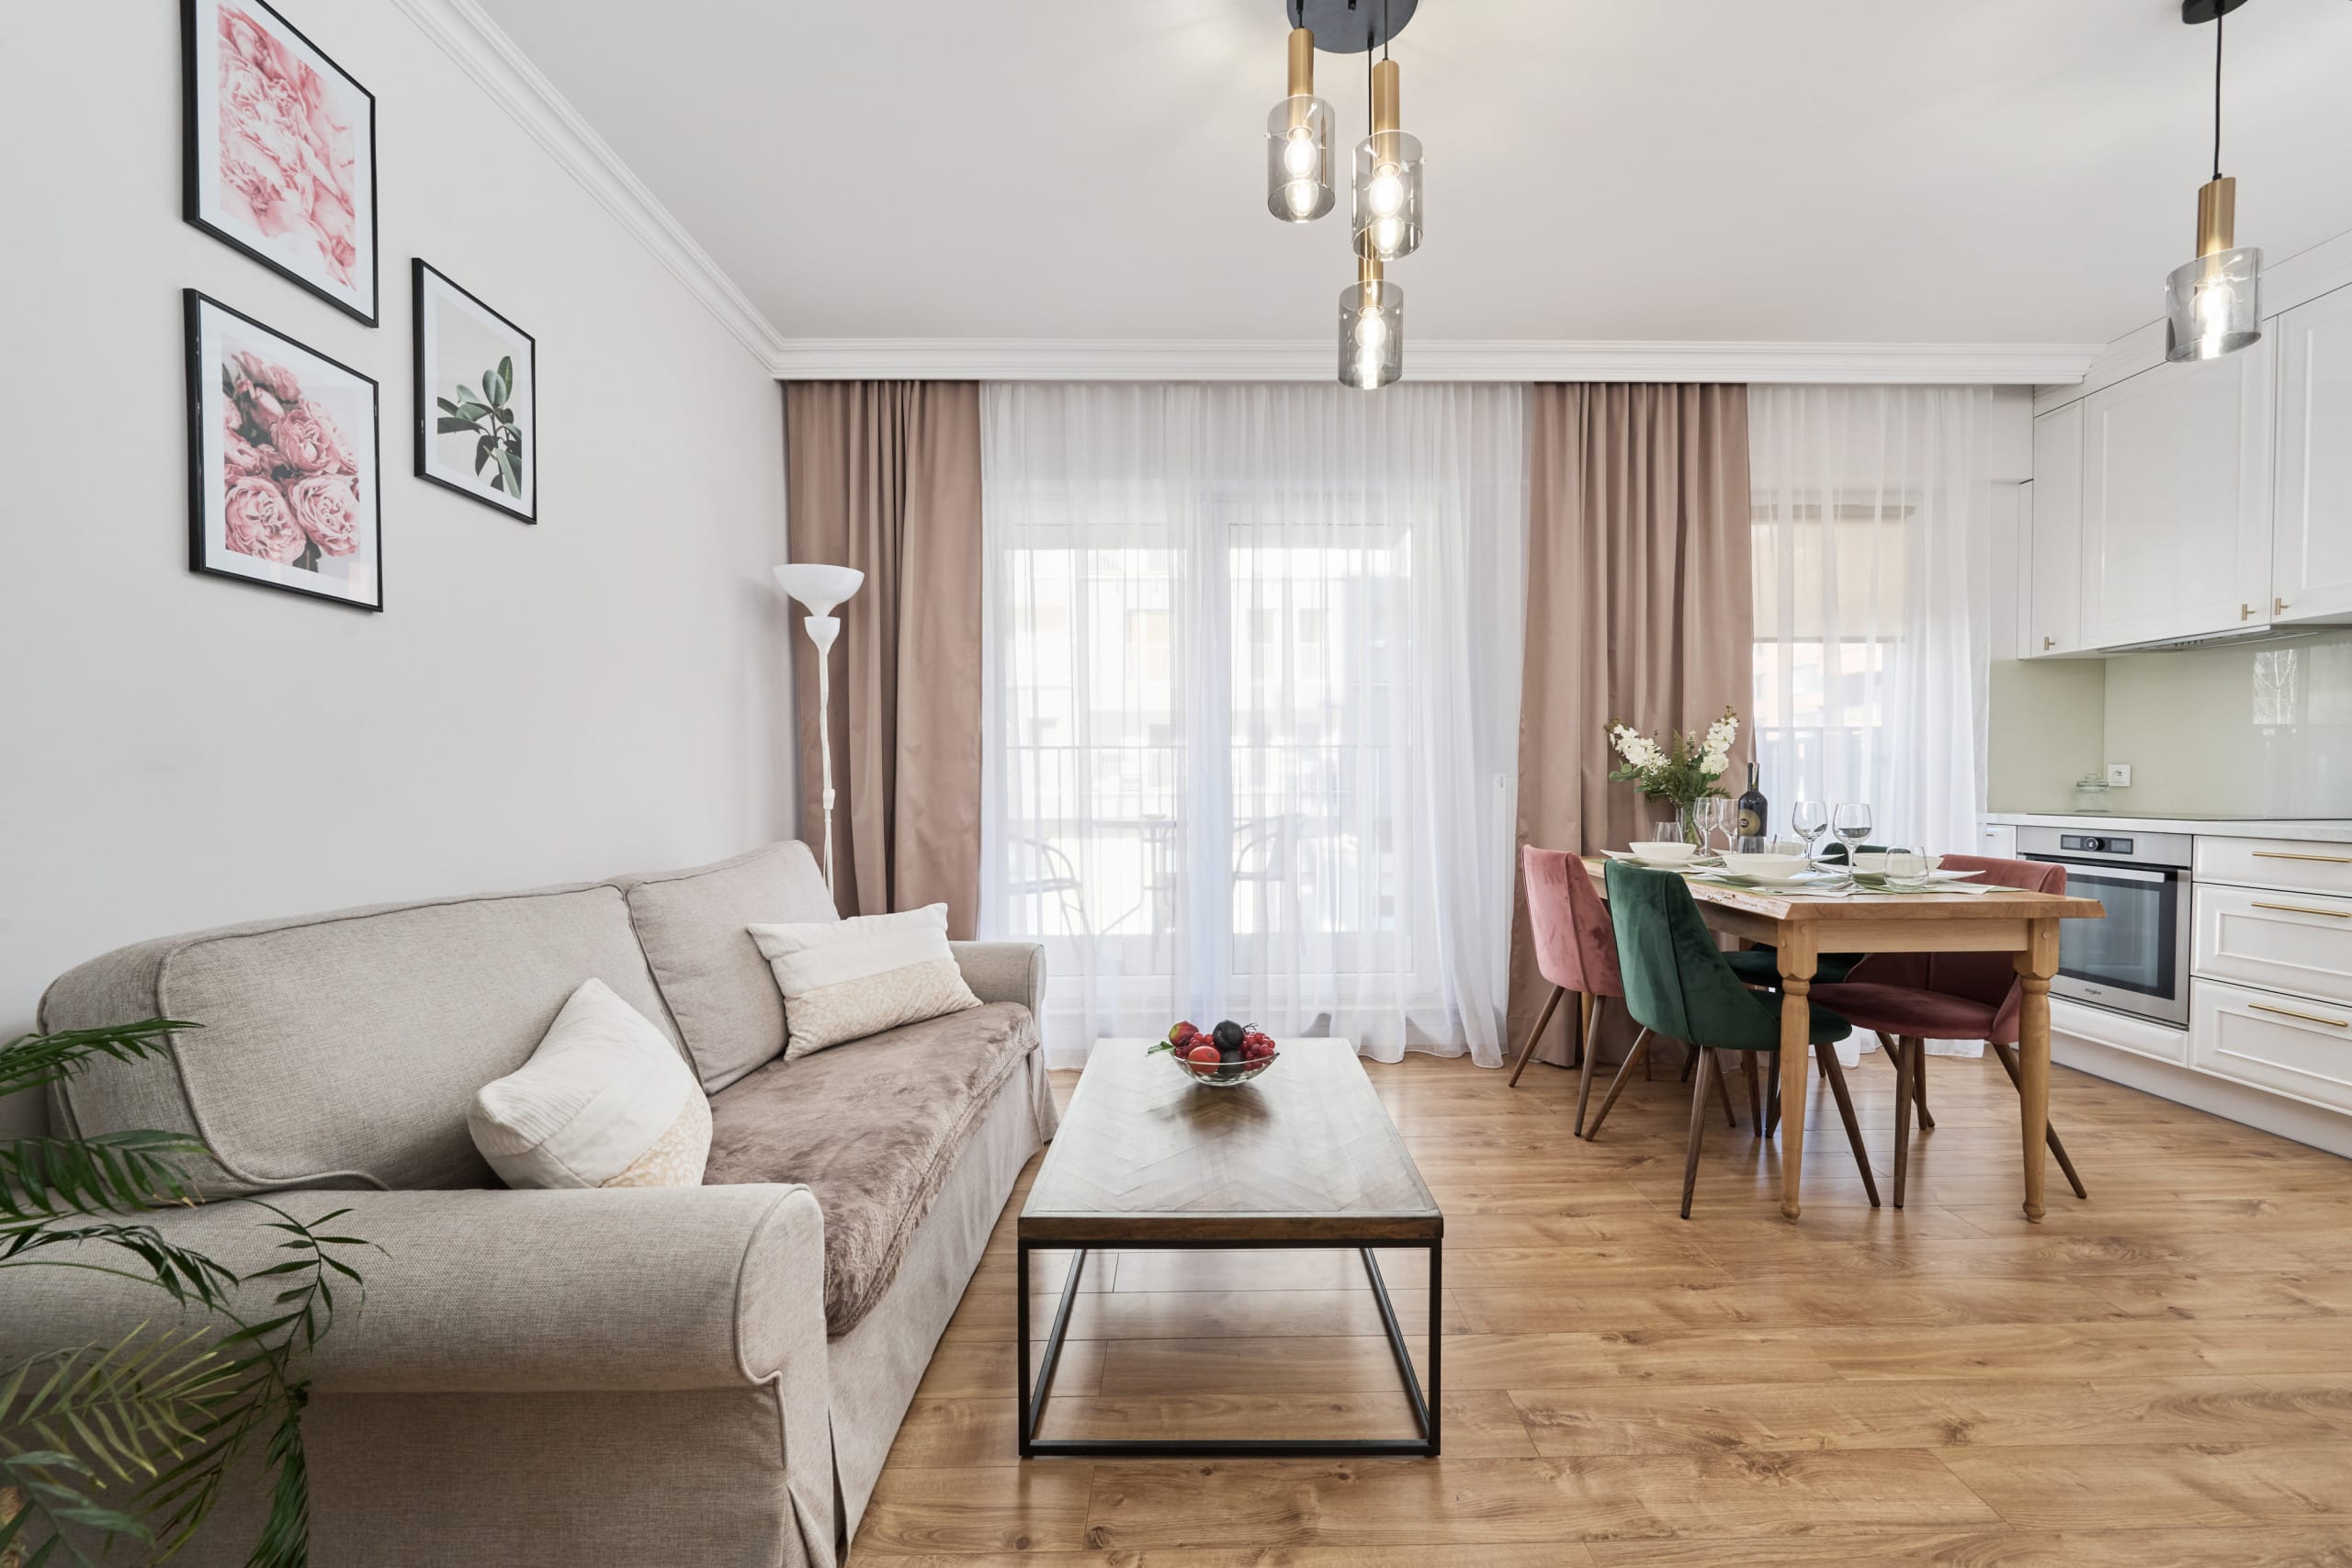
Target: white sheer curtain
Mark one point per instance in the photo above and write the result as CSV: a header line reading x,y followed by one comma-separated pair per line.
x,y
1250,705
1871,639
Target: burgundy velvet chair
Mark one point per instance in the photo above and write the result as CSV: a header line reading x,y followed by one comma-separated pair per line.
x,y
1909,998
1576,949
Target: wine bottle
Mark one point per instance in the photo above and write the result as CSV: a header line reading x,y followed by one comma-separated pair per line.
x,y
1753,809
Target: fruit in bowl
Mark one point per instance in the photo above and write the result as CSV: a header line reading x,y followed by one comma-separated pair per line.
x,y
1229,1054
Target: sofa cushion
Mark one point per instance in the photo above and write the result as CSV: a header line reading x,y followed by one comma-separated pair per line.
x,y
874,1128
695,924
344,1049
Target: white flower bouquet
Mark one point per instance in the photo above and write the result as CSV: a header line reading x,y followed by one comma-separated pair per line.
x,y
1684,770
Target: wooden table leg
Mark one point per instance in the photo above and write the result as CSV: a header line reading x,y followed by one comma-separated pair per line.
x,y
1797,962
2035,966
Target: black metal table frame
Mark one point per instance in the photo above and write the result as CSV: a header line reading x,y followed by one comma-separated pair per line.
x,y
1425,1408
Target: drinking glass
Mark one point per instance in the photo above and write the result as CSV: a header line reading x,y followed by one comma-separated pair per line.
x,y
1851,823
1907,867
1717,815
1810,819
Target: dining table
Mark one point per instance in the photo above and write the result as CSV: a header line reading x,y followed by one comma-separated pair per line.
x,y
1802,925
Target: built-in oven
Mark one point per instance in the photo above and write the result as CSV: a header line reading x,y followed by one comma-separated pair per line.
x,y
2136,960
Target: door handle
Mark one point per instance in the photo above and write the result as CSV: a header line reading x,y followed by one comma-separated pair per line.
x,y
2304,909
2246,612
2278,607
2307,1016
2048,643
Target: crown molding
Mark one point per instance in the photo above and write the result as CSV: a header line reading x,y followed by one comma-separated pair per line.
x,y
468,35
1241,359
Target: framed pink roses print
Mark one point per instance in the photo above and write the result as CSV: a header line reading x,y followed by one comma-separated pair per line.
x,y
284,472
477,397
280,149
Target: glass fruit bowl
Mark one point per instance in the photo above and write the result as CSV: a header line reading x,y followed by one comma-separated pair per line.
x,y
1225,1075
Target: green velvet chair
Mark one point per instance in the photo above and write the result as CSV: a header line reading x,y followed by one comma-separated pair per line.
x,y
1677,983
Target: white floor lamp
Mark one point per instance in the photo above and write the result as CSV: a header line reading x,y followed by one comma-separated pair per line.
x,y
820,588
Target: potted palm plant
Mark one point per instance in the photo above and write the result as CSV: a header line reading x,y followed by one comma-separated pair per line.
x,y
134,1438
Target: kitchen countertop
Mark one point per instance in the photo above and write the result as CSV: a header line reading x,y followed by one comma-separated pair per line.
x,y
2327,830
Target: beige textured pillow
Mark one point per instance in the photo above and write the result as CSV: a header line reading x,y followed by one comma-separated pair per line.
x,y
846,979
604,1101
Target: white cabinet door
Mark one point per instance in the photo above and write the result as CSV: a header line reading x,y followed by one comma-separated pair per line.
x,y
2052,526
2285,1045
2311,570
2177,501
1998,840
2296,943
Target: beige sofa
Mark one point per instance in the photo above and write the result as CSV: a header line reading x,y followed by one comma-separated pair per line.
x,y
707,1375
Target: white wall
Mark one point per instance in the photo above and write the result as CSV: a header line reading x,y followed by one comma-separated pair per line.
x,y
604,692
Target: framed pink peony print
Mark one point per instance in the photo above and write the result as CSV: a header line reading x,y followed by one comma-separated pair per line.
x,y
280,150
285,473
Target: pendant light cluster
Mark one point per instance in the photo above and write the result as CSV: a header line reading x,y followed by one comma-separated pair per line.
x,y
2213,305
1386,176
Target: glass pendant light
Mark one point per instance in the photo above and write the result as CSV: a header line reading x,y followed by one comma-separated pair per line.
x,y
1387,176
2213,305
1371,329
1298,143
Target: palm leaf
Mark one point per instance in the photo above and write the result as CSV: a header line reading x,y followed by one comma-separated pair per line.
x,y
31,1060
181,1272
106,1172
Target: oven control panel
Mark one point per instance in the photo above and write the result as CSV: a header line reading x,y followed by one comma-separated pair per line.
x,y
2095,843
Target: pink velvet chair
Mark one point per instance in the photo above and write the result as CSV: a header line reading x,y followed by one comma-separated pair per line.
x,y
1576,949
1909,998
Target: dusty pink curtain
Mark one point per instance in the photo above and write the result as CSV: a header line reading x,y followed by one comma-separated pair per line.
x,y
885,476
1639,607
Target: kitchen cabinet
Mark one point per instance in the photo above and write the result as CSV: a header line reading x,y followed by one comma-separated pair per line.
x,y
2286,1044
1998,840
2175,468
2312,541
2051,522
2296,943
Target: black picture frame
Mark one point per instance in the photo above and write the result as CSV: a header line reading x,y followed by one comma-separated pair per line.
x,y
200,412
427,413
195,144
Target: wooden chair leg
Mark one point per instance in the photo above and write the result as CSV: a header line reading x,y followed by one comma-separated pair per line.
x,y
1920,1083
1587,1006
1617,1085
1689,1064
1592,1010
1705,1070
1536,1033
1723,1090
1828,1057
1772,1095
2007,1057
1755,1092
1902,1103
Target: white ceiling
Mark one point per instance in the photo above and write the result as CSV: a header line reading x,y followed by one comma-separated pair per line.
x,y
1967,171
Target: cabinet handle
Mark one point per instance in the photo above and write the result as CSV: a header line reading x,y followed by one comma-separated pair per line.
x,y
2278,606
2246,612
2307,1016
2048,643
2305,909
2290,854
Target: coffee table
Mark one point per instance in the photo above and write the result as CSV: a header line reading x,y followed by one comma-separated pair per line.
x,y
1303,1156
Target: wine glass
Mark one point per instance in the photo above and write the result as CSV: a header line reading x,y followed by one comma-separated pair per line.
x,y
1810,819
1851,823
1718,815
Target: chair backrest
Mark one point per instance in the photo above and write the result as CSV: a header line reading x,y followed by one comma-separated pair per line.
x,y
1574,945
1990,978
1676,979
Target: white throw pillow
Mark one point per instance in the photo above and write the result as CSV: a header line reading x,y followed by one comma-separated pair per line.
x,y
604,1101
846,979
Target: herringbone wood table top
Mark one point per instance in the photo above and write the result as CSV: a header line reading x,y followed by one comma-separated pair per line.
x,y
1303,1151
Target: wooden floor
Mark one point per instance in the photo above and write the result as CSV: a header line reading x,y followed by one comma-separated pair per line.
x,y
2162,1375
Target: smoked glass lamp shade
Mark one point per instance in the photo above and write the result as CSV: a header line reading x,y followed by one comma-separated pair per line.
x,y
2213,305
1298,160
1372,334
1388,195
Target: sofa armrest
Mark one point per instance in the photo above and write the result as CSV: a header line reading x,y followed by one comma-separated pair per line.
x,y
1004,971
492,1292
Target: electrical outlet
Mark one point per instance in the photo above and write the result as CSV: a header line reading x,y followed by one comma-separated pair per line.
x,y
2119,775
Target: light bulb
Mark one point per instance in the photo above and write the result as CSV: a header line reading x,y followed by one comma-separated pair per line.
x,y
1301,197
1372,332
2214,302
1386,234
1300,155
1387,192
1367,370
